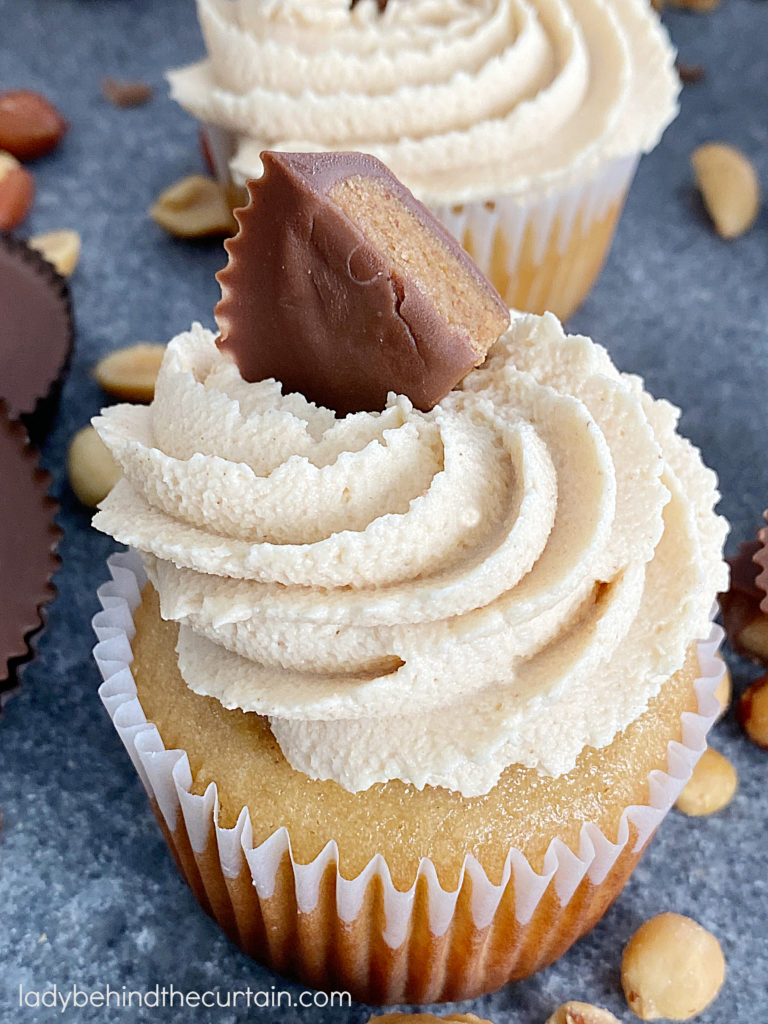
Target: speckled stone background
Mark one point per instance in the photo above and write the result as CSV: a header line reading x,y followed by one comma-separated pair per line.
x,y
88,893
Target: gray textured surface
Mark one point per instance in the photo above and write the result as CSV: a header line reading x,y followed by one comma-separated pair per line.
x,y
88,893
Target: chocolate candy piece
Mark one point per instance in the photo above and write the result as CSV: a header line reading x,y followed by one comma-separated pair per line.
x,y
28,538
343,287
761,561
36,333
744,622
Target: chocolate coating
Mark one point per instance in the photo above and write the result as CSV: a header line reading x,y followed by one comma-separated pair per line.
x,y
28,539
36,332
309,299
740,604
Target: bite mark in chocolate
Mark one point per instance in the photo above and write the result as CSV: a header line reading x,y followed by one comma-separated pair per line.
x,y
344,287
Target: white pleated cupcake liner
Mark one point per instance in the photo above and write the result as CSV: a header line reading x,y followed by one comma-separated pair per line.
x,y
167,777
552,216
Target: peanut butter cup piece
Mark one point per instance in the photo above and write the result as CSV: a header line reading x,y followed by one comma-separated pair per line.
x,y
344,287
28,539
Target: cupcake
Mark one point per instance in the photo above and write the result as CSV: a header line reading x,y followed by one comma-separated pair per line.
x,y
519,125
410,688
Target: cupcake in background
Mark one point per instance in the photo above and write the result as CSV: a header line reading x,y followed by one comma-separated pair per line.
x,y
520,125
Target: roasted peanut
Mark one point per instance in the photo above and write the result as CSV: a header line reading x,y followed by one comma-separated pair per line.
x,y
581,1013
60,248
672,967
130,373
729,187
92,470
753,712
30,125
193,208
17,190
711,787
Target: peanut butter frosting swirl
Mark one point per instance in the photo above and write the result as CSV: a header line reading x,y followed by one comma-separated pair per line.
x,y
546,90
425,596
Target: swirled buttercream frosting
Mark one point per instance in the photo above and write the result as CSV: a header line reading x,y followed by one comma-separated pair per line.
x,y
462,99
430,597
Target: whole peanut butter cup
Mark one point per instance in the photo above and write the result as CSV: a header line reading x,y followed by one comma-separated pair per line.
x,y
28,540
36,334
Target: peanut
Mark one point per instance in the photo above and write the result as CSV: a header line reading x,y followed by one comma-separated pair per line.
x,y
126,94
130,373
671,967
60,248
711,787
581,1013
753,712
92,470
699,6
30,125
17,190
193,208
427,1018
729,187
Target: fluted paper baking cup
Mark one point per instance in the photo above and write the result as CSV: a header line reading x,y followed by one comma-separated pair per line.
x,y
363,935
545,252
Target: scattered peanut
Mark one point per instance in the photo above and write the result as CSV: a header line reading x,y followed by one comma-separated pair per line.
x,y
193,208
30,125
581,1013
126,94
92,470
711,787
61,248
724,689
671,967
130,373
699,6
427,1018
17,190
753,712
690,74
729,187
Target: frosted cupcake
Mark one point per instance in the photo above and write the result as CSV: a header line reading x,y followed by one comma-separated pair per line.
x,y
519,124
409,689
